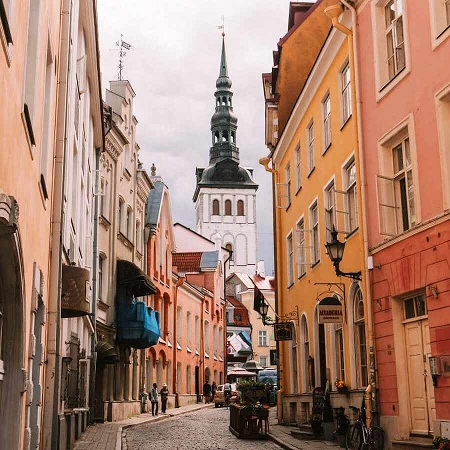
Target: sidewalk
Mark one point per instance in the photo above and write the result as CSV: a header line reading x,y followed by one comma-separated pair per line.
x,y
108,435
281,435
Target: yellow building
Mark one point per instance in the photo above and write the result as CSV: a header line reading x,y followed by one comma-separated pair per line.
x,y
314,164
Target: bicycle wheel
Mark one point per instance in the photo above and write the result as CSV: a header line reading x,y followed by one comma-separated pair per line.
x,y
354,437
376,440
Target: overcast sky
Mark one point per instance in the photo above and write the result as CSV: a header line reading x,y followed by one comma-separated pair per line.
x,y
173,67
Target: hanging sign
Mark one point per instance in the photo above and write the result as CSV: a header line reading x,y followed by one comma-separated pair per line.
x,y
330,310
283,331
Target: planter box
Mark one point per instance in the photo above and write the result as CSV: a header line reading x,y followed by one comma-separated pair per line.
x,y
249,422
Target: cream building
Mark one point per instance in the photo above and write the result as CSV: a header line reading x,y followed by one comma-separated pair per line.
x,y
28,59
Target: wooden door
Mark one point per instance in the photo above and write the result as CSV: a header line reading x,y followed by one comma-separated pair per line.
x,y
421,391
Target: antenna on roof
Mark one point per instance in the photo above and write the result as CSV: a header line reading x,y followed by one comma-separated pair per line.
x,y
122,53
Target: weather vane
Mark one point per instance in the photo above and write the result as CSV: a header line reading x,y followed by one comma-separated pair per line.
x,y
122,53
222,27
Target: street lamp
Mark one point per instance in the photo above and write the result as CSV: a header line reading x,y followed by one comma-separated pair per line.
x,y
335,250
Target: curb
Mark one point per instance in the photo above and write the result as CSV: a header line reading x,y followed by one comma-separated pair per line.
x,y
280,443
121,431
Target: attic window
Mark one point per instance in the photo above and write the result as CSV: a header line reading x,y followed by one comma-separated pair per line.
x,y
238,317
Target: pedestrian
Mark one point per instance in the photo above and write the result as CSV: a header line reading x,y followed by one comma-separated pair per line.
x,y
207,391
154,399
213,389
144,397
164,393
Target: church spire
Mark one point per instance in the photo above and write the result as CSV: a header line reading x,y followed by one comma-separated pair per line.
x,y
223,121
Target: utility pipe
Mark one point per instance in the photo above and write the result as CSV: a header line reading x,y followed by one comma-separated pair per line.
x,y
180,282
224,316
333,12
265,162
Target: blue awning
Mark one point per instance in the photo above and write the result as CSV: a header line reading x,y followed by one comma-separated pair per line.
x,y
137,324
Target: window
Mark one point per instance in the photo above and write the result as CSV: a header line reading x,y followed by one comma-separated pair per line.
x,y
197,333
310,147
359,329
262,338
447,11
263,361
395,37
228,207
206,331
298,174
5,16
288,184
339,348
314,222
301,246
138,236
307,374
346,93
326,111
188,328
179,325
329,200
415,307
230,248
129,223
121,214
404,185
294,359
215,207
101,275
351,200
290,260
240,208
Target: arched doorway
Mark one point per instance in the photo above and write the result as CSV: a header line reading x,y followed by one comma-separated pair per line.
x,y
320,351
11,328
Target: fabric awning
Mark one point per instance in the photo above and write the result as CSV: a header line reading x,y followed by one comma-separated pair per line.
x,y
106,353
128,274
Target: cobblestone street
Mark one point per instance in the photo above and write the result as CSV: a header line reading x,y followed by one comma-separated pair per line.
x,y
205,429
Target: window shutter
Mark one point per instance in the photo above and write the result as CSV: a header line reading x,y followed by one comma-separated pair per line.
x,y
387,208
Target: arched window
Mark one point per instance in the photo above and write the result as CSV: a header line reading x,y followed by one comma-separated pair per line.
x,y
359,331
129,223
240,208
233,137
230,247
339,348
229,101
102,270
224,101
228,207
225,136
216,137
294,381
215,207
121,214
304,334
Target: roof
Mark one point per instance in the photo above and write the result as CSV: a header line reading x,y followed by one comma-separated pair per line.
x,y
243,277
187,262
209,260
154,203
264,283
240,312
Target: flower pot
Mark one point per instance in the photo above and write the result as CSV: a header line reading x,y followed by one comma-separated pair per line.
x,y
342,390
328,429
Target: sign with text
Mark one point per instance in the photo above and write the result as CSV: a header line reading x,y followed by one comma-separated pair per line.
x,y
330,310
283,331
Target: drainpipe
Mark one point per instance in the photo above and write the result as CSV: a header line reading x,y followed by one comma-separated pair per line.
x,y
53,360
333,12
224,315
180,281
265,162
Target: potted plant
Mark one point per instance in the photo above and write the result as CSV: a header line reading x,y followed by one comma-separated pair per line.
x,y
441,443
316,423
341,387
251,391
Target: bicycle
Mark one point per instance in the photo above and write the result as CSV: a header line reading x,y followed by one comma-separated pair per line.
x,y
361,437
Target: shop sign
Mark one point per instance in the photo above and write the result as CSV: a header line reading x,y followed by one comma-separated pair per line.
x,y
330,310
283,331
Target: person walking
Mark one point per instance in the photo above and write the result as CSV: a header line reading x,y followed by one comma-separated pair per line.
x,y
154,399
207,391
213,389
164,393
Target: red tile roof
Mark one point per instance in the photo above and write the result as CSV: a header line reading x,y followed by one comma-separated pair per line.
x,y
187,262
240,312
263,283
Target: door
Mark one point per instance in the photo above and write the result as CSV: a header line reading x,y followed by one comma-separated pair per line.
x,y
322,356
421,391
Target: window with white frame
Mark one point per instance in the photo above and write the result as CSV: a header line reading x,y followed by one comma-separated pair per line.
x,y
301,247
290,260
359,331
129,223
262,338
179,325
395,39
304,335
440,19
101,275
346,93
326,112
7,6
447,11
396,195
197,333
330,210
310,133
263,361
298,173
188,328
351,197
288,184
339,348
121,214
206,334
315,242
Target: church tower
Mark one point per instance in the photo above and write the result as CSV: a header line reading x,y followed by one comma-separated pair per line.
x,y
225,195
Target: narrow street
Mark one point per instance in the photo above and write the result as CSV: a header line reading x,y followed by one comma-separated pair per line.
x,y
205,429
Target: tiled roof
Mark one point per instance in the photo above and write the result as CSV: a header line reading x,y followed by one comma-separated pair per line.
x,y
240,312
187,262
264,283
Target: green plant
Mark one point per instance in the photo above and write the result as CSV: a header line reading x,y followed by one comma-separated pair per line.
x,y
441,443
244,386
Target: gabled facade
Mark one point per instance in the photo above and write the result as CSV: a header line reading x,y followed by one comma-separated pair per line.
x,y
225,195
316,174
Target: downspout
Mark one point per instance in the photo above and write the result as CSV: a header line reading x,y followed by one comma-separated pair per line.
x,y
265,162
53,360
179,282
224,315
334,12
202,348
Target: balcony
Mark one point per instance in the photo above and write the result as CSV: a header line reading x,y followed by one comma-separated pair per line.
x,y
76,292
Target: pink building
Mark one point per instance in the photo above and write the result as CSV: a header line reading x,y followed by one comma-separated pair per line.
x,y
403,59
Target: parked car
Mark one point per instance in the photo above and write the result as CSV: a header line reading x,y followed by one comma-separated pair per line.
x,y
219,397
